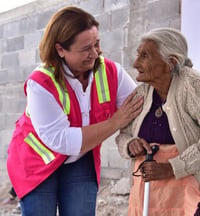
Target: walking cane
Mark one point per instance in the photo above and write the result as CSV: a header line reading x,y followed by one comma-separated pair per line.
x,y
149,157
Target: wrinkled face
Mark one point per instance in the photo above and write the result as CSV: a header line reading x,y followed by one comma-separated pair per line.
x,y
83,52
151,68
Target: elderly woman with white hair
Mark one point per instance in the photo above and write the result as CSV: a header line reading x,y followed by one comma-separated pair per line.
x,y
170,119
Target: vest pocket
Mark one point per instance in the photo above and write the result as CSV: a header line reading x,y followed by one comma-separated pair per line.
x,y
39,148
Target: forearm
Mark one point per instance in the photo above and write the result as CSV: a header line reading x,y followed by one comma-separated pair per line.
x,y
187,163
95,134
122,141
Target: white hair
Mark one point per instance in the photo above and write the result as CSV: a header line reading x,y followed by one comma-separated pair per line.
x,y
171,45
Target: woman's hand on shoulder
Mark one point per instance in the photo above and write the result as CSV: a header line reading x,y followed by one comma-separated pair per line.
x,y
128,111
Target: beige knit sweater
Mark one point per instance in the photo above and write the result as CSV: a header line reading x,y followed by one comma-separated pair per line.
x,y
182,108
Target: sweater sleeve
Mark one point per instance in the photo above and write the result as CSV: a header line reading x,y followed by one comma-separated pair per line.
x,y
123,139
126,134
188,162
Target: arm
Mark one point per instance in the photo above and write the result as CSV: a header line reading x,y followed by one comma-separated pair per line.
x,y
130,146
95,134
128,110
188,161
123,139
187,100
53,126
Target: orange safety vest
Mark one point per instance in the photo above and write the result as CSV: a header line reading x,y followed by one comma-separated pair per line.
x,y
30,161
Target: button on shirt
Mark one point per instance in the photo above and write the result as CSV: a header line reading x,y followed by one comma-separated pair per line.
x,y
49,120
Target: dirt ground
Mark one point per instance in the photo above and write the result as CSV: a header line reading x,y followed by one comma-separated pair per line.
x,y
112,199
6,206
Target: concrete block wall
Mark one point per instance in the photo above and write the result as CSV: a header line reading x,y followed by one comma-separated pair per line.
x,y
121,24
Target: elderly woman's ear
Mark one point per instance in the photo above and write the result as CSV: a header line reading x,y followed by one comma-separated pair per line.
x,y
172,62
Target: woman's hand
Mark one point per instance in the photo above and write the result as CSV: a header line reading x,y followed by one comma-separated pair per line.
x,y
94,134
151,170
139,147
128,111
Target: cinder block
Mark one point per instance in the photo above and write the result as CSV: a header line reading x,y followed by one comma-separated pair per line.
x,y
1,31
120,17
112,41
28,24
43,18
3,77
32,40
167,9
11,29
10,60
104,20
91,7
115,4
23,60
15,44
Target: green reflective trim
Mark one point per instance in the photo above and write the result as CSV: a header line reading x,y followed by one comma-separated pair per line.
x,y
44,153
27,112
102,83
63,96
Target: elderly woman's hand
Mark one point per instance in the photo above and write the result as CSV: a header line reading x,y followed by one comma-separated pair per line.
x,y
138,147
151,170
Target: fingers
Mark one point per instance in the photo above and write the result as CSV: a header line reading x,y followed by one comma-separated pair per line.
x,y
136,146
152,170
137,106
146,146
130,97
137,103
139,146
146,171
128,111
134,100
134,107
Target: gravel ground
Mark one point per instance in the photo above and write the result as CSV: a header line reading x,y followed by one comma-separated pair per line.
x,y
112,199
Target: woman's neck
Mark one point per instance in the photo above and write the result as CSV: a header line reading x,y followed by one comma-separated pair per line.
x,y
83,79
162,89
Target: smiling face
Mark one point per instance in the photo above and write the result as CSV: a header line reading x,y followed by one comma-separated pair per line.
x,y
151,68
82,54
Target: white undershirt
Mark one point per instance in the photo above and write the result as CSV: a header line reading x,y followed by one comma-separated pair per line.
x,y
53,126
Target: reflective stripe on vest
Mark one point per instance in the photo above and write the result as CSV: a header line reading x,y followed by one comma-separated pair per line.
x,y
103,96
102,83
100,80
45,154
27,112
63,95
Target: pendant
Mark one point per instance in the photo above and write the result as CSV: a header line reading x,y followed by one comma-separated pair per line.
x,y
158,112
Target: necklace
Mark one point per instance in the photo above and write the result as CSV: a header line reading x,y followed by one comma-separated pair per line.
x,y
158,112
157,103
